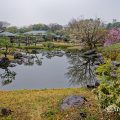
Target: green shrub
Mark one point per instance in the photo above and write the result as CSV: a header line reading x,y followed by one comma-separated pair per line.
x,y
48,45
109,90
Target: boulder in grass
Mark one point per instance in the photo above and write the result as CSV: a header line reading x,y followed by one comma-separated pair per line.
x,y
73,101
6,111
83,114
115,63
112,108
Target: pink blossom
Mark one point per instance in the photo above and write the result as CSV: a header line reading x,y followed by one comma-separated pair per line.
x,y
113,37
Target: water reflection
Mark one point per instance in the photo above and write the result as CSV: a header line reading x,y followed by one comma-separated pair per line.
x,y
44,69
27,59
38,61
82,68
8,76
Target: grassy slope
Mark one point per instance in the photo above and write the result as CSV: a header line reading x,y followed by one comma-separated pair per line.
x,y
45,104
114,47
112,52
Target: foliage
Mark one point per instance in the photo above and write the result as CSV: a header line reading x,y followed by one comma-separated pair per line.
x,y
54,27
113,37
112,51
24,29
88,32
5,42
12,29
39,27
48,44
109,90
113,25
35,27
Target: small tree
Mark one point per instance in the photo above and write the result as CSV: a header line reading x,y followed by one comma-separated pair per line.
x,y
5,42
12,29
89,32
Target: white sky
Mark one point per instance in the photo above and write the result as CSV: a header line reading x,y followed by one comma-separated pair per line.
x,y
26,12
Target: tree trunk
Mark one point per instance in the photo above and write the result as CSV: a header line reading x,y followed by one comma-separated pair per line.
x,y
6,51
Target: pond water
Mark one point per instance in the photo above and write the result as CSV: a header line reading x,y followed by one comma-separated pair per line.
x,y
50,73
48,69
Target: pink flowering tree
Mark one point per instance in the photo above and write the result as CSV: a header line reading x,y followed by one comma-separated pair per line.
x,y
113,37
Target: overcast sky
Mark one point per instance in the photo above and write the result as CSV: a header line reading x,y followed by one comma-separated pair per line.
x,y
25,12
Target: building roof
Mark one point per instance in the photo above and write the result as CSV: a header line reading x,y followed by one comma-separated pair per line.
x,y
41,32
7,34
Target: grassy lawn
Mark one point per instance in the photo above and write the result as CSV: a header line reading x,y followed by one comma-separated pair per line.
x,y
51,45
11,57
45,104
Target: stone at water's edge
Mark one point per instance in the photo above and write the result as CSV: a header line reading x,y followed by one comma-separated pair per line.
x,y
4,62
12,65
73,101
17,55
90,52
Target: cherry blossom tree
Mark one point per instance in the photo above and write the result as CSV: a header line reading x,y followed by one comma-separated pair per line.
x,y
113,37
87,32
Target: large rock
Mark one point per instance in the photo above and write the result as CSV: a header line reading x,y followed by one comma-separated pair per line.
x,y
73,101
115,63
101,58
4,62
34,51
17,61
112,108
6,111
17,55
90,52
12,65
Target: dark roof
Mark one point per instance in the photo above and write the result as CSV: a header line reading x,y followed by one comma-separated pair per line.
x,y
41,32
7,34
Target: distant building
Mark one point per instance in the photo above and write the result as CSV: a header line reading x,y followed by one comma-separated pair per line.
x,y
7,34
36,33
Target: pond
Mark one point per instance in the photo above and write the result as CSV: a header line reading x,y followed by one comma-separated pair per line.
x,y
55,69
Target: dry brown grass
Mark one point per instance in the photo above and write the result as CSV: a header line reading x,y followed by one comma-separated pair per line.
x,y
45,104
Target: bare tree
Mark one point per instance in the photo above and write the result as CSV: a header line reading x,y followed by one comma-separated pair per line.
x,y
3,26
89,32
55,27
